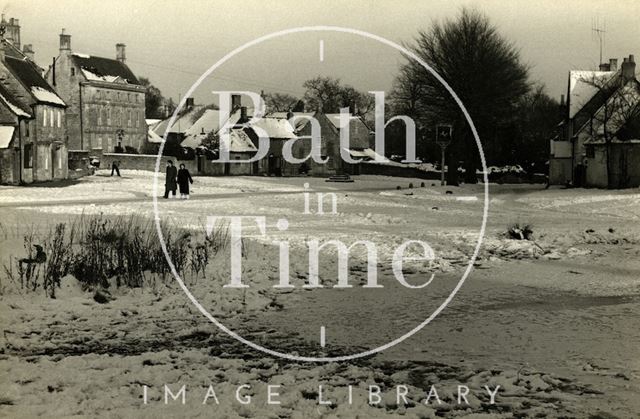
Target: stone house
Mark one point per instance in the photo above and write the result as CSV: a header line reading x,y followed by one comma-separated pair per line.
x,y
578,151
33,140
106,101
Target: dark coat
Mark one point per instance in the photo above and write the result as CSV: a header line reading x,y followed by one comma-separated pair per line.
x,y
170,180
184,179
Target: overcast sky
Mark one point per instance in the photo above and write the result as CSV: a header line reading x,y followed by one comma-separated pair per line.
x,y
173,42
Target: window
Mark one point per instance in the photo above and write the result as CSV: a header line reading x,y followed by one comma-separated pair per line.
x,y
46,161
44,117
59,116
129,120
27,125
99,145
28,156
59,155
137,116
100,116
108,116
51,118
73,71
591,151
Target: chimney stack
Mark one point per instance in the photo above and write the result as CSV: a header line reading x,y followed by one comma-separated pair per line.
x,y
235,102
628,68
12,31
65,41
120,53
604,67
189,103
243,115
27,50
613,64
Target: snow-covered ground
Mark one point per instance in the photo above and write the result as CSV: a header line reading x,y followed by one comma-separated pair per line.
x,y
553,320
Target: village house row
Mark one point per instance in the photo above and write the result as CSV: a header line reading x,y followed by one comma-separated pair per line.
x,y
53,121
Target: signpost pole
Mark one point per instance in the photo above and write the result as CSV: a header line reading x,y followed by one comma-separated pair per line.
x,y
443,148
443,139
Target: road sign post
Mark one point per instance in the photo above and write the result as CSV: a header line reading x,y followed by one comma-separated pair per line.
x,y
443,139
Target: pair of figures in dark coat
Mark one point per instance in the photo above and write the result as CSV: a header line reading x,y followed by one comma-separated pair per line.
x,y
175,178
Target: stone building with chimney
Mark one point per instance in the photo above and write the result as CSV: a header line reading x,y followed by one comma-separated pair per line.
x,y
32,117
598,143
106,101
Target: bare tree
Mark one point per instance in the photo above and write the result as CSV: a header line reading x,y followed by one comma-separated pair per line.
x,y
482,67
279,102
328,95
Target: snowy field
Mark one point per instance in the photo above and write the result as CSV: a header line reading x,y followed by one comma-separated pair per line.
x,y
553,320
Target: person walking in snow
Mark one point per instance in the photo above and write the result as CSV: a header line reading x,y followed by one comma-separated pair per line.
x,y
184,179
170,182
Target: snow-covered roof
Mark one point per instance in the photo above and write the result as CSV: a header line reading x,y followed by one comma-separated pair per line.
x,y
207,123
582,89
11,104
152,137
44,95
240,142
334,118
152,121
6,134
621,107
97,77
299,122
180,125
27,75
275,128
104,69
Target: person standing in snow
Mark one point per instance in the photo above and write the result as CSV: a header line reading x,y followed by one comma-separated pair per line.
x,y
184,179
170,182
115,167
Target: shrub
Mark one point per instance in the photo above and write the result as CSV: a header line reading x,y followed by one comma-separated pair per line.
x,y
519,231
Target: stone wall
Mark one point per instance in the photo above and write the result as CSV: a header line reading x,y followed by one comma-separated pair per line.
x,y
143,162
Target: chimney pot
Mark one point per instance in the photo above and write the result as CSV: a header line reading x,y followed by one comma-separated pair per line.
x,y
189,103
613,64
631,58
120,52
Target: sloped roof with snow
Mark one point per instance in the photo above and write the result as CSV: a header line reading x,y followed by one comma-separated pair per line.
x,y
207,123
152,137
300,122
6,135
275,128
180,125
623,107
240,142
104,69
583,85
13,105
33,81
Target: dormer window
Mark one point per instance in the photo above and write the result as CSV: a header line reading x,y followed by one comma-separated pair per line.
x,y
73,71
